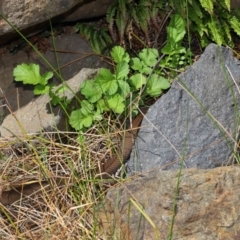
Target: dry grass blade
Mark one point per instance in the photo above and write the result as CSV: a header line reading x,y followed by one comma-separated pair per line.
x,y
62,171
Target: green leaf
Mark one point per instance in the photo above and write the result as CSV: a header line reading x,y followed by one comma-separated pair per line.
x,y
235,24
124,88
116,103
167,49
195,10
45,77
137,80
149,56
87,107
107,87
90,91
207,5
97,116
217,37
155,85
102,106
95,42
136,64
122,70
228,4
112,87
106,82
176,30
41,89
78,121
28,74
105,73
105,34
119,55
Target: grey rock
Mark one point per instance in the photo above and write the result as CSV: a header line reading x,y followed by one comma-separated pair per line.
x,y
206,206
89,10
32,16
177,125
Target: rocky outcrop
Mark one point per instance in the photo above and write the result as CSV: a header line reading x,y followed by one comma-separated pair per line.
x,y
196,120
33,16
206,206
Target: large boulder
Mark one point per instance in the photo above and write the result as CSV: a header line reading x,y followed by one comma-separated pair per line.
x,y
206,206
196,120
32,16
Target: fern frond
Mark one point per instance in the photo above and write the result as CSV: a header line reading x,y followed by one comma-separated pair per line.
x,y
225,4
193,17
86,30
195,9
105,35
143,17
135,17
122,8
121,28
235,24
94,40
110,17
225,28
154,13
214,31
207,5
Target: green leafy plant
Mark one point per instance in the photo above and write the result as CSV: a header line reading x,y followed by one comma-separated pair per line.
x,y
99,38
144,21
127,19
30,74
211,21
107,92
175,54
110,92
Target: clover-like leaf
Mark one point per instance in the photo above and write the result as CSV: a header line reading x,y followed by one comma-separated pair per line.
x,y
102,106
91,91
105,73
137,80
97,116
30,74
105,82
122,70
136,64
149,56
78,121
156,84
116,103
87,107
119,54
109,87
124,88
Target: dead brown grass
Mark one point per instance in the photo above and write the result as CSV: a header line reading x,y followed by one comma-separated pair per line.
x,y
65,209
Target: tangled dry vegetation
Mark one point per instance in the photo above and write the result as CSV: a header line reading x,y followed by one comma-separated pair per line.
x,y
69,191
